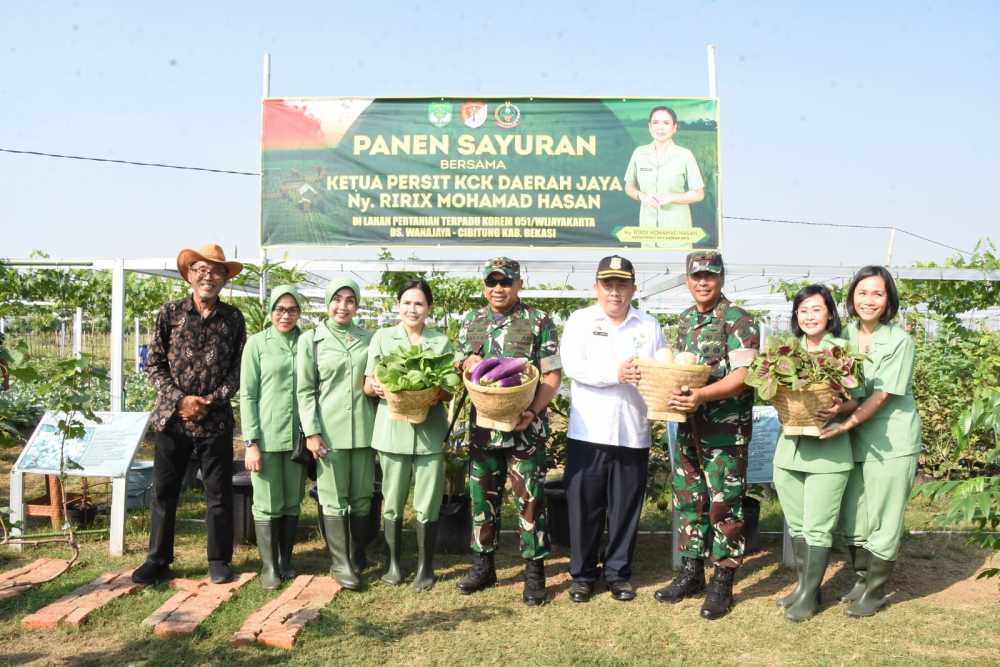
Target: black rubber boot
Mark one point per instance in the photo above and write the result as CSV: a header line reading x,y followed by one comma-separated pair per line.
x,y
288,531
393,529
359,541
799,551
857,560
534,583
689,582
719,593
267,545
874,597
341,569
806,604
482,575
426,543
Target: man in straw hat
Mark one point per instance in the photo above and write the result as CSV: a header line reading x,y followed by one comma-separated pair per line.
x,y
608,439
194,364
711,461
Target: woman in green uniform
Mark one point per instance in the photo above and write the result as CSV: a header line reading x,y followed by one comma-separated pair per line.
x,y
337,419
664,178
269,420
810,475
407,451
885,437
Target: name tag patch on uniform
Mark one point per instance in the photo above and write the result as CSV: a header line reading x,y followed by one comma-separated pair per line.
x,y
599,332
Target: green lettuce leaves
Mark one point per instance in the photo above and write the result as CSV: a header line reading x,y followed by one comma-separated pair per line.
x,y
414,368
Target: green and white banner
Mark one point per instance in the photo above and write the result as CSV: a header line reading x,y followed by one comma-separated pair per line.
x,y
635,173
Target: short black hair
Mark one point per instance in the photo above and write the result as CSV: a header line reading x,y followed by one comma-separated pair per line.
x,y
670,111
891,293
417,283
833,325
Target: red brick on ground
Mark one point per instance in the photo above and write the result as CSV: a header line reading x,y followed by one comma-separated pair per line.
x,y
192,604
279,622
73,609
15,582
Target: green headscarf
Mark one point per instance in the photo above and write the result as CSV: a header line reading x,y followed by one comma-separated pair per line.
x,y
282,290
338,283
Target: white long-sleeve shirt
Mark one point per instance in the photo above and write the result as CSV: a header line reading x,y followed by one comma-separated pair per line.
x,y
602,410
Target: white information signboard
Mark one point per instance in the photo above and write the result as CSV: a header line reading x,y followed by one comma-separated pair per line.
x,y
105,450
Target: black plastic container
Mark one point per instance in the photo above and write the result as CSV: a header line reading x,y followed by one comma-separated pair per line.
x,y
454,525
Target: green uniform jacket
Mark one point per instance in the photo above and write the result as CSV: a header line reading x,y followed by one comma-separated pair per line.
x,y
401,437
805,453
268,411
894,430
334,404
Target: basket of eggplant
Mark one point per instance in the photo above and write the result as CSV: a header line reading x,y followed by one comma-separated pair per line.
x,y
501,388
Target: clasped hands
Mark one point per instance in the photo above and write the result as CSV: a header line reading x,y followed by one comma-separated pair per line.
x,y
193,408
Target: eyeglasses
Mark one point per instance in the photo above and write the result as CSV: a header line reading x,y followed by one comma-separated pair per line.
x,y
291,312
205,271
502,282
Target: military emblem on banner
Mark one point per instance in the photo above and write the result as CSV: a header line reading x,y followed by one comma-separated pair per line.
x,y
507,116
474,114
439,113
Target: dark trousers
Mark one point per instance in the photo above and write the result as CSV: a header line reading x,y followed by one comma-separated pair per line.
x,y
603,482
215,455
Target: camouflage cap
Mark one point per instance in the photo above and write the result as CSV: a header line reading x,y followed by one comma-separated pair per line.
x,y
705,260
510,268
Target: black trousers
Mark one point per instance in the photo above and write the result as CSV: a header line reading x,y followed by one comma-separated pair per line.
x,y
603,483
215,455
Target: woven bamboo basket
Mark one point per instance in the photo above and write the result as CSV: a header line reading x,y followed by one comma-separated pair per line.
x,y
797,408
659,380
500,408
411,406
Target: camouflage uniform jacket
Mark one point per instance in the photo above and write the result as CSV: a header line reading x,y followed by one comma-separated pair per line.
x,y
522,332
726,338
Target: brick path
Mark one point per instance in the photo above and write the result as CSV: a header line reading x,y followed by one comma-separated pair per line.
x,y
192,604
15,582
73,609
280,621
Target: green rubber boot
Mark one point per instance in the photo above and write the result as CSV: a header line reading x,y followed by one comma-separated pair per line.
x,y
426,543
857,560
874,596
799,552
288,531
267,545
804,607
393,529
359,541
341,569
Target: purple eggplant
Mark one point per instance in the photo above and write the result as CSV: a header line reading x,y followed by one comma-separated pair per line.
x,y
507,366
509,381
480,369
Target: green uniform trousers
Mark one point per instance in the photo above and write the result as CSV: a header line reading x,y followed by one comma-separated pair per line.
x,y
524,465
426,471
708,497
278,487
344,479
872,512
810,502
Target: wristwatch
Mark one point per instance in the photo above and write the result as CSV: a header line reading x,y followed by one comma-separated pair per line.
x,y
249,443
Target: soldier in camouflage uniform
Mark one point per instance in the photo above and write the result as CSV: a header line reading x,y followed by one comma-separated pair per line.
x,y
506,327
712,444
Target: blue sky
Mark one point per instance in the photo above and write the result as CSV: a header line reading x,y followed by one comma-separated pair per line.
x,y
852,113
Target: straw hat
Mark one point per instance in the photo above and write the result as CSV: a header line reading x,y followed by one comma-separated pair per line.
x,y
209,252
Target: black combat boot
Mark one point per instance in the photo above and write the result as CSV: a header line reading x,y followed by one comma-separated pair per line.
x,y
689,582
267,545
426,543
482,575
287,533
534,582
799,548
857,560
874,596
341,569
719,593
359,541
393,529
805,605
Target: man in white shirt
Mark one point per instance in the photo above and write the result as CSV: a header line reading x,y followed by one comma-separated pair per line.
x,y
607,443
